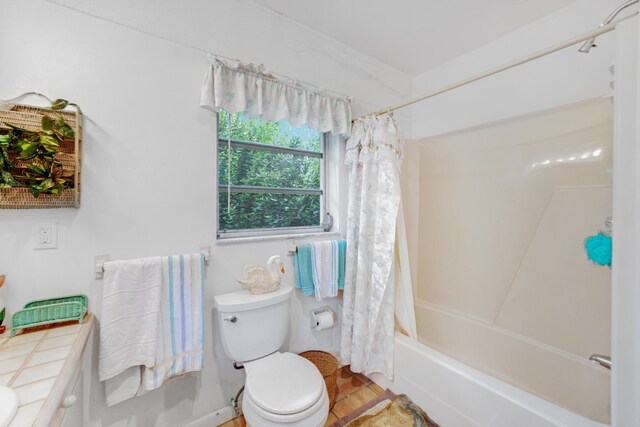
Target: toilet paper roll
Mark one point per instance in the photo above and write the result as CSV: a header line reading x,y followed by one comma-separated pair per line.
x,y
325,321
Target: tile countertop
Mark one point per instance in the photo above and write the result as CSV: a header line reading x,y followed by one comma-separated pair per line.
x,y
39,366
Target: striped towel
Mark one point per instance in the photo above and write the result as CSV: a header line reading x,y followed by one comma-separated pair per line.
x,y
326,268
180,325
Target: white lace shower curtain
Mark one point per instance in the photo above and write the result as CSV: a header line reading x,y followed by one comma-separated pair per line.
x,y
373,156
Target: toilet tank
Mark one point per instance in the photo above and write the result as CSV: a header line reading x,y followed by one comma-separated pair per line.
x,y
253,326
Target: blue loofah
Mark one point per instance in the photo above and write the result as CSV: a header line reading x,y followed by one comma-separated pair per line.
x,y
598,249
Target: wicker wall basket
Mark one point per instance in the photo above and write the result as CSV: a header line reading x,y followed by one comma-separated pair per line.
x,y
30,118
327,364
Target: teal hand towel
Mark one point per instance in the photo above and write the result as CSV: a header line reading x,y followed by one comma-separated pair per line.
x,y
342,254
304,267
304,270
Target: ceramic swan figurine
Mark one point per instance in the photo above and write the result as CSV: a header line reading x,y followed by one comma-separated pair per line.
x,y
260,280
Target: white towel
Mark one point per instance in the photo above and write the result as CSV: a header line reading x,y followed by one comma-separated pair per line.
x,y
152,323
128,324
325,267
180,325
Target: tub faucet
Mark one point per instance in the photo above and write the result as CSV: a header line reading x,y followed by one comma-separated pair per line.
x,y
601,359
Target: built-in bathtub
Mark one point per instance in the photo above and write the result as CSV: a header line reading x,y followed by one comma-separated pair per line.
x,y
456,395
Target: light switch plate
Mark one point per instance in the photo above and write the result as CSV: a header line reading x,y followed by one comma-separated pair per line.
x,y
47,236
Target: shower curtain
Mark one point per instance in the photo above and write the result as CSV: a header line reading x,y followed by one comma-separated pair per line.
x,y
373,156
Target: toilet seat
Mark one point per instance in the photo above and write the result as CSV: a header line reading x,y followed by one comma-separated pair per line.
x,y
283,383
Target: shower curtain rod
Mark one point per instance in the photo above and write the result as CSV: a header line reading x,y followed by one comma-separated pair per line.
x,y
586,36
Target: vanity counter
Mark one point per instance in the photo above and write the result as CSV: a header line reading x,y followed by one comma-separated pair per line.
x,y
43,367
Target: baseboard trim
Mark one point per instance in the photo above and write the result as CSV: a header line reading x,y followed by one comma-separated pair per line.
x,y
214,418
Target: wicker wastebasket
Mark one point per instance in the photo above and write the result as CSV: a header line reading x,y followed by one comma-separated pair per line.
x,y
327,364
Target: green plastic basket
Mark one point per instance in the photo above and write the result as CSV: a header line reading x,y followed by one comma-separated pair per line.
x,y
73,298
49,311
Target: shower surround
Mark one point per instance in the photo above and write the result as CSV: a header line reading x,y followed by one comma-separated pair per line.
x,y
501,280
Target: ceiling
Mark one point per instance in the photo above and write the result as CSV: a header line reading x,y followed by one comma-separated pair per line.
x,y
414,35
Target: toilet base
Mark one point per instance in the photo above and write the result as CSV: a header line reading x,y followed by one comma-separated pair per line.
x,y
315,416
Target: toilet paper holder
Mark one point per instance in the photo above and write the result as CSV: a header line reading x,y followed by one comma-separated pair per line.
x,y
317,311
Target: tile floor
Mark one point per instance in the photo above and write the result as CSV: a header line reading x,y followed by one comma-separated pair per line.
x,y
354,390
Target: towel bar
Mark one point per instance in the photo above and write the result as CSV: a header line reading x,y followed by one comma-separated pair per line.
x,y
292,249
100,260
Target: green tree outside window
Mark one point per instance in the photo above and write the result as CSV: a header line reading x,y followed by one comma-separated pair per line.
x,y
257,167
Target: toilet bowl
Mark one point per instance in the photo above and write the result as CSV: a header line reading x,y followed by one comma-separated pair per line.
x,y
284,388
281,388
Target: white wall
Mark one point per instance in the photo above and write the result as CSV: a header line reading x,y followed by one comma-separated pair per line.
x,y
148,177
561,78
246,30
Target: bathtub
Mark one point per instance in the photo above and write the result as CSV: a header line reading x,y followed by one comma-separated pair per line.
x,y
456,395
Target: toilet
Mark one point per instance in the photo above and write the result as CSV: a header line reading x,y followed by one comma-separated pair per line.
x,y
281,389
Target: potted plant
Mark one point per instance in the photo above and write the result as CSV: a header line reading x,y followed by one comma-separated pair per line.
x,y
40,171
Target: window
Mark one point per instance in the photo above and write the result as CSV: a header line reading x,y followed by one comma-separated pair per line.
x,y
276,174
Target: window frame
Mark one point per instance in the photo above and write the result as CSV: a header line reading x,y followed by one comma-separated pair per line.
x,y
258,146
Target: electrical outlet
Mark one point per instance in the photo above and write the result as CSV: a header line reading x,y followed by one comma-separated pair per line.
x,y
47,236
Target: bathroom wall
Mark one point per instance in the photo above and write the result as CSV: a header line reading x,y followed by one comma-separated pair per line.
x,y
558,79
504,284
561,78
148,176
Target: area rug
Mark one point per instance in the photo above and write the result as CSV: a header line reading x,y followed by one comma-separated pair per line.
x,y
388,410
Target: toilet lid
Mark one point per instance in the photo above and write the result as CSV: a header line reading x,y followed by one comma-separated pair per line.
x,y
283,383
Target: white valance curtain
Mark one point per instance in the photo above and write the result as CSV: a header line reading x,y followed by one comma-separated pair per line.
x,y
248,89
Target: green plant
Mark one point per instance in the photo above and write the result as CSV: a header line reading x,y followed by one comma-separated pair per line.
x,y
249,211
44,174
